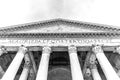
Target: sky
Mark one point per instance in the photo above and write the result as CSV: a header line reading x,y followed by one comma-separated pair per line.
x,y
14,12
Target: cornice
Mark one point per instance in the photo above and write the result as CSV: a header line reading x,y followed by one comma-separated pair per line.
x,y
59,21
60,35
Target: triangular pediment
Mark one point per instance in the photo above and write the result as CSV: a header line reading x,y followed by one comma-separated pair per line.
x,y
58,29
58,26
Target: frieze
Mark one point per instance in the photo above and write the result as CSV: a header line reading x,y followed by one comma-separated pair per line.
x,y
59,42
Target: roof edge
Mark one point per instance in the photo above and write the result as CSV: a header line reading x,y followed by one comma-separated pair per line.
x,y
59,21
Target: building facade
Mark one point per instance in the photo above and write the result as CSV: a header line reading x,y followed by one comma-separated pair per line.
x,y
60,49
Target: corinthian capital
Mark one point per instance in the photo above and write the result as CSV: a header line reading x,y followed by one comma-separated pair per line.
x,y
118,50
22,49
72,49
2,50
46,49
92,59
88,72
97,49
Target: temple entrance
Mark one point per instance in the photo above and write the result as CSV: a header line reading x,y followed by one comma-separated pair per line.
x,y
59,66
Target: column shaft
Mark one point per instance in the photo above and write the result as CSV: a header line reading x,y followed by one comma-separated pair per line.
x,y
95,74
75,65
14,66
24,74
26,68
105,64
32,74
33,62
44,62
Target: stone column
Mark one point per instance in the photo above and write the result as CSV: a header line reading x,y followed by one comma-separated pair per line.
x,y
32,75
2,51
93,67
74,63
44,63
87,74
26,68
95,73
15,64
33,69
105,64
117,61
117,58
33,62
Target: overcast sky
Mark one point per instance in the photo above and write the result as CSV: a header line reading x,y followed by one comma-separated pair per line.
x,y
13,12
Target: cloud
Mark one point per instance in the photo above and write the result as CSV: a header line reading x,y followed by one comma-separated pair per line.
x,y
14,12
